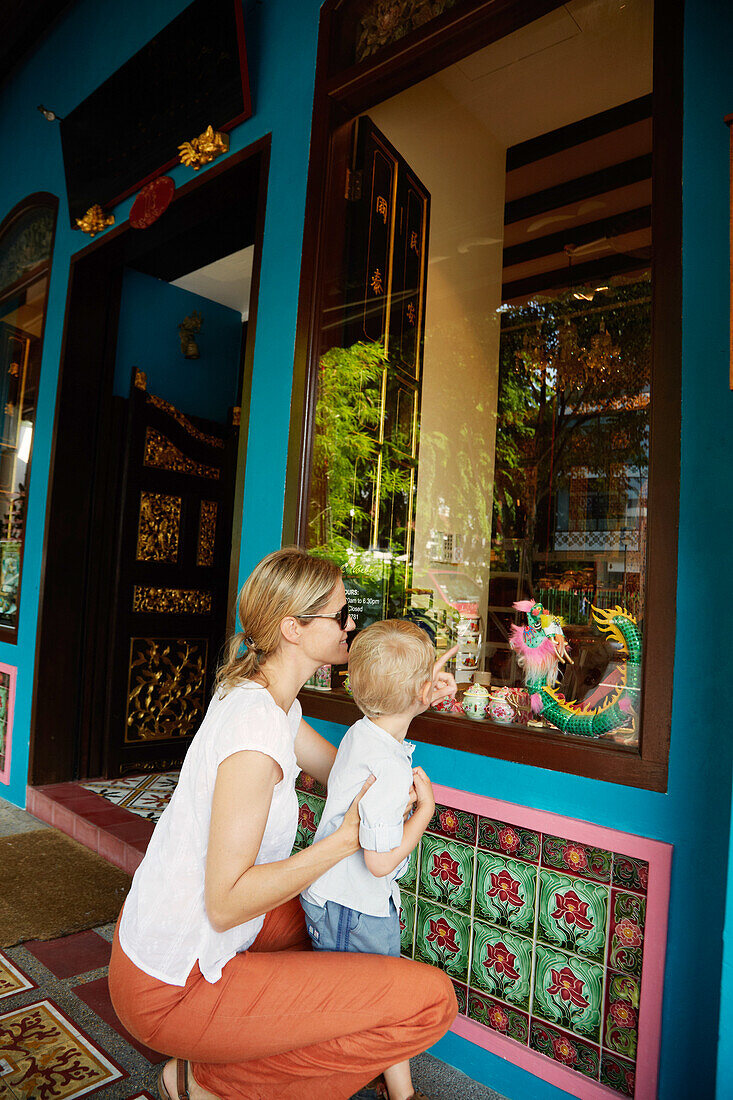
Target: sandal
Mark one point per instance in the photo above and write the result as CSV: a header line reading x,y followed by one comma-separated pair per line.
x,y
182,1092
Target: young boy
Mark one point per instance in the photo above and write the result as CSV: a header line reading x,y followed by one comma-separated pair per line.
x,y
355,906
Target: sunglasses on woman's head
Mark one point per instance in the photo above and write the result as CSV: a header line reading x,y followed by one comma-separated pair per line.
x,y
341,616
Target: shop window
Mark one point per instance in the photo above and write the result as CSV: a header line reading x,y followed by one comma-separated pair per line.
x,y
481,425
26,242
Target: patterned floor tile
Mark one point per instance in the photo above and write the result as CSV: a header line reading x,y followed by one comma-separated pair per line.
x,y
12,980
145,795
50,1056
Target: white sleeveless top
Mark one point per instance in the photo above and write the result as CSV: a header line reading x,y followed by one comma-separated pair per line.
x,y
164,928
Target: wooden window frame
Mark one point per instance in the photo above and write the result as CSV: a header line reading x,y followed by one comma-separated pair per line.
x,y
41,270
339,97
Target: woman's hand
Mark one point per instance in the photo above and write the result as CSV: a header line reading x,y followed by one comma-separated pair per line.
x,y
349,827
444,684
425,796
411,803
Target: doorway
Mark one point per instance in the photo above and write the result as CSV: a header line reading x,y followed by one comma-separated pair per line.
x,y
143,524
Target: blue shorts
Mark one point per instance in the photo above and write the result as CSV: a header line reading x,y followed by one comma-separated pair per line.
x,y
334,927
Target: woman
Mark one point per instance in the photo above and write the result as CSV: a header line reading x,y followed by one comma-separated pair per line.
x,y
211,962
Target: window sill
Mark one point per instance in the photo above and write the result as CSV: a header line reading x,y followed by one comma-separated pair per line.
x,y
542,749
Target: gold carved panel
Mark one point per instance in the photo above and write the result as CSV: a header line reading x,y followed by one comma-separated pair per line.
x,y
171,601
180,418
161,454
207,532
158,527
165,693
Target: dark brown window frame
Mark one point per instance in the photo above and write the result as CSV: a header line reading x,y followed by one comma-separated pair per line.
x,y
339,98
42,270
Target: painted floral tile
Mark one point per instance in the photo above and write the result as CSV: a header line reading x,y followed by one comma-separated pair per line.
x,y
621,1018
446,872
626,946
630,874
501,1017
408,881
567,992
407,923
12,980
502,963
509,840
569,856
505,891
461,992
573,914
309,815
443,937
453,824
618,1074
568,1049
309,785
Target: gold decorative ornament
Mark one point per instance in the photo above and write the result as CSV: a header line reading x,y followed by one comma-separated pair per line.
x,y
141,380
207,532
158,527
188,326
165,696
382,208
182,419
170,601
95,220
203,149
236,416
376,282
161,454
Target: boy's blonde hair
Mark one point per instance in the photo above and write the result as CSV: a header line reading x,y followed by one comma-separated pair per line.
x,y
288,582
388,664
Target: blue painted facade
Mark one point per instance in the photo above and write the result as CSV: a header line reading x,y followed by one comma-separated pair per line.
x,y
150,312
89,43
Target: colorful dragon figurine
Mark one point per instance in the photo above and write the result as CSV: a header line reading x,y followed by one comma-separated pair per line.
x,y
541,645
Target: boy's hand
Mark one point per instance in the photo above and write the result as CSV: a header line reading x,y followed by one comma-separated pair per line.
x,y
424,789
444,684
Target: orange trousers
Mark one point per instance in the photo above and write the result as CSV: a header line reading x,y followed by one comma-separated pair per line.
x,y
284,1021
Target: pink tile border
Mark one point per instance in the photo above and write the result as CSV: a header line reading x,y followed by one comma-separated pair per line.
x,y
12,672
659,857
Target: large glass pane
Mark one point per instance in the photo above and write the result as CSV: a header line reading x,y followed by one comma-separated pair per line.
x,y
482,424
24,247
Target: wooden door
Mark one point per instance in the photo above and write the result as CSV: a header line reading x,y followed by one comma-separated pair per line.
x,y
174,553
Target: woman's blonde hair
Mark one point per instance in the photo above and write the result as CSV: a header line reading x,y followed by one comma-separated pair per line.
x,y
287,582
389,663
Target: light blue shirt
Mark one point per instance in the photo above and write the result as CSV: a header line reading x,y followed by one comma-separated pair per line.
x,y
366,750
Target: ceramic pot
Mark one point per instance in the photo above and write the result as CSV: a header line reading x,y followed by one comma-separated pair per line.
x,y
475,702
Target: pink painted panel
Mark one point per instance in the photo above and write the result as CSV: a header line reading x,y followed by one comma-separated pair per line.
x,y
8,675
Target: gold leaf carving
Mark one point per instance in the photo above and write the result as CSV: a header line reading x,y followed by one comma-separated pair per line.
x,y
171,601
207,532
165,697
161,454
182,419
158,527
376,282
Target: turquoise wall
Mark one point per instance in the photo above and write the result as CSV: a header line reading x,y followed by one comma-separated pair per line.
x,y
694,815
150,312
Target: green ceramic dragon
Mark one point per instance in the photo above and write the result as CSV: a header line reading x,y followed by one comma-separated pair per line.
x,y
541,645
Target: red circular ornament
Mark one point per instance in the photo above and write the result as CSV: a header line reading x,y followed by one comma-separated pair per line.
x,y
152,201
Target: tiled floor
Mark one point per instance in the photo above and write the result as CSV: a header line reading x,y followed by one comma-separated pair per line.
x,y
59,1036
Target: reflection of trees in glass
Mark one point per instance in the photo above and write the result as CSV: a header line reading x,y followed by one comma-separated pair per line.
x,y
573,396
353,385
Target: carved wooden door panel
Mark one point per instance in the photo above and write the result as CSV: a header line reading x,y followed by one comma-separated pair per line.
x,y
175,543
387,241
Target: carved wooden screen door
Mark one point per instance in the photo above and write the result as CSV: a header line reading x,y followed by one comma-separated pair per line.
x,y
173,576
387,240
